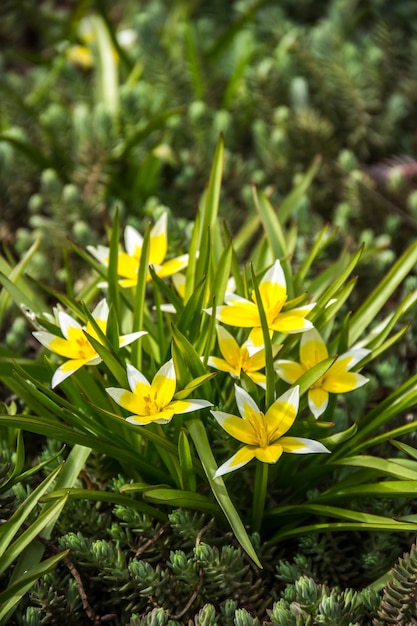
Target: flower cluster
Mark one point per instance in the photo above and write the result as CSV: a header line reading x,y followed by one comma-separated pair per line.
x,y
262,433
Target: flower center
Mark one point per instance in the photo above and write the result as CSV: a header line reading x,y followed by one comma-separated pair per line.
x,y
260,429
85,349
152,406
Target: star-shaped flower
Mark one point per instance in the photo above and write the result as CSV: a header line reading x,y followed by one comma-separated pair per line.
x,y
128,261
337,379
153,402
74,345
244,313
237,358
262,433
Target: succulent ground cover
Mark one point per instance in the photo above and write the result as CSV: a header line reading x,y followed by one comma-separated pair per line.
x,y
207,312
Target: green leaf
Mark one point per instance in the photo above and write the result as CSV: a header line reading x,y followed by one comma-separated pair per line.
x,y
10,528
384,489
369,309
140,296
386,467
311,376
331,527
11,596
192,385
404,447
188,477
205,221
104,496
181,498
202,445
28,535
275,235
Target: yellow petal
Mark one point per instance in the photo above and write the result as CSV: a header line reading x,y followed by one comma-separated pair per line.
x,y
127,266
293,321
300,445
255,361
244,315
163,384
342,381
273,288
281,414
288,370
186,406
255,341
158,244
66,369
237,427
242,456
229,347
163,417
313,350
63,347
258,379
318,399
269,454
223,366
173,266
130,401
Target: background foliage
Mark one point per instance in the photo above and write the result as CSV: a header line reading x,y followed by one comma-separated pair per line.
x,y
91,120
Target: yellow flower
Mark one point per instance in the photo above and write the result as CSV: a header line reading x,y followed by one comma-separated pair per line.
x,y
337,379
128,262
238,358
74,345
262,433
245,313
153,402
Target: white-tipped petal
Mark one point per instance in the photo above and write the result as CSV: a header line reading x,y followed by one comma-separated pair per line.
x,y
133,241
44,337
101,311
238,460
134,376
65,370
125,340
115,393
245,401
160,227
167,370
301,445
66,322
275,274
356,355
101,253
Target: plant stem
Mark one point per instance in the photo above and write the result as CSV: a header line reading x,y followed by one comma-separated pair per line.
x,y
259,495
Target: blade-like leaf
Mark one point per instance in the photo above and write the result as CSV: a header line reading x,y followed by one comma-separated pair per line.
x,y
202,445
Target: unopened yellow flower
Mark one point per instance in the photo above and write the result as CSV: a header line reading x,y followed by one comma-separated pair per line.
x,y
237,358
153,402
74,345
128,261
337,379
245,313
262,433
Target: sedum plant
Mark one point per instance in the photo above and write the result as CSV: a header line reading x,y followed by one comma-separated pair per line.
x,y
131,366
